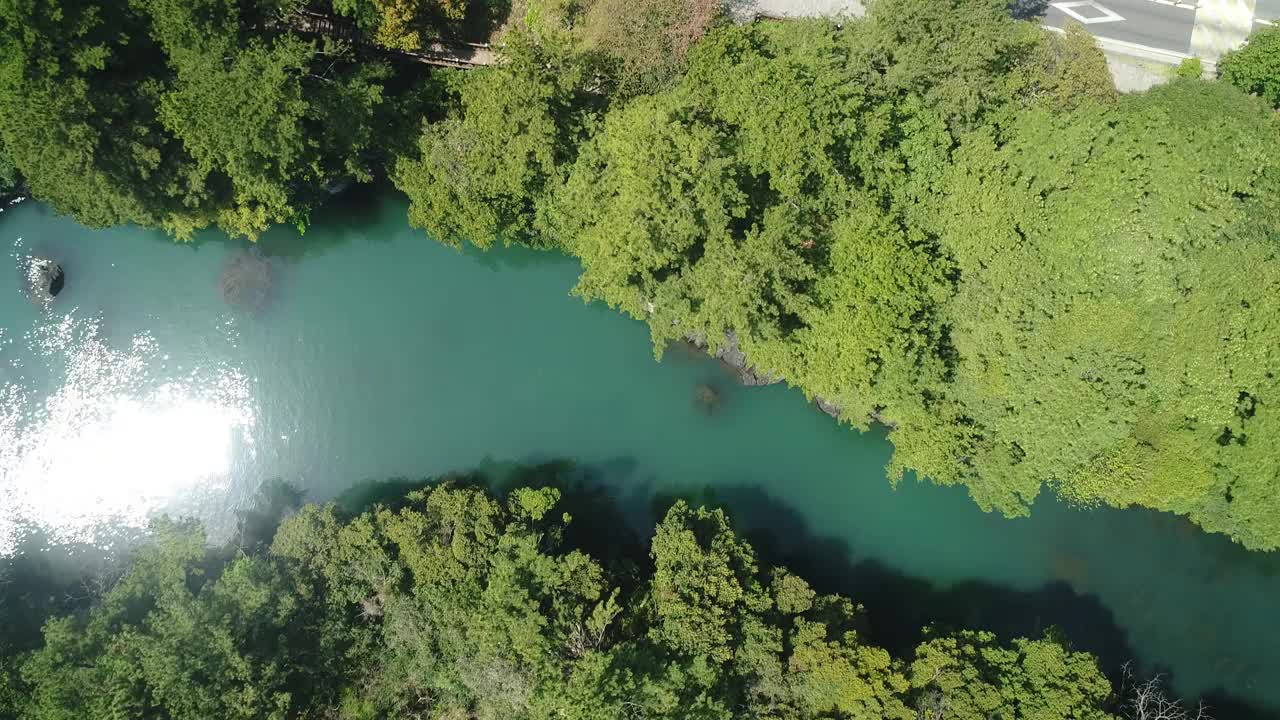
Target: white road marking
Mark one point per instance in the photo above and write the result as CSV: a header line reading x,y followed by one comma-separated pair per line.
x,y
1068,8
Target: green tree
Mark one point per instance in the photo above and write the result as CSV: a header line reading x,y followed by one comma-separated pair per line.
x,y
170,641
269,122
703,582
968,676
970,63
10,180
79,86
181,115
1255,68
464,606
750,201
482,174
400,24
1075,70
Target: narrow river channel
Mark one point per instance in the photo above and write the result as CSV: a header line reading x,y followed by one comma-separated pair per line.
x,y
378,353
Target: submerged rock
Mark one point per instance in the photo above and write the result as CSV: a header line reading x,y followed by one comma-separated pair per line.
x,y
706,398
246,280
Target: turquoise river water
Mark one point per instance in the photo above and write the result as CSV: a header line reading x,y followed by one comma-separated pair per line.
x,y
380,353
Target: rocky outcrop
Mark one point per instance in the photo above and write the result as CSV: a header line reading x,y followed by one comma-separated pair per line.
x,y
827,407
735,360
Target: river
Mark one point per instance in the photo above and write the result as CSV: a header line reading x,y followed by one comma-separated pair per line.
x,y
379,353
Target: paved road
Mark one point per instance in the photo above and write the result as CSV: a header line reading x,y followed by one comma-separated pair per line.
x,y
1159,24
1143,22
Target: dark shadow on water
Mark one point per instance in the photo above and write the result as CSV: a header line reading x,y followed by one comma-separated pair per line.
x,y
274,500
352,215
899,606
46,578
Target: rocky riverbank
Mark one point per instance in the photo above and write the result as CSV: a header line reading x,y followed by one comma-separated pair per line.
x,y
737,362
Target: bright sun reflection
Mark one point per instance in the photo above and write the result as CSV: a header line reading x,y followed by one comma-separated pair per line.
x,y
110,444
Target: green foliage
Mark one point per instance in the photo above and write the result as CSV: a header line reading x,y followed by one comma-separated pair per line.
x,y
10,180
481,175
751,201
1109,342
181,636
182,115
79,84
456,605
268,122
969,676
973,58
1190,69
394,24
702,582
1255,68
1075,70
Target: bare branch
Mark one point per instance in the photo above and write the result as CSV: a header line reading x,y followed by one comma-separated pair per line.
x,y
1146,700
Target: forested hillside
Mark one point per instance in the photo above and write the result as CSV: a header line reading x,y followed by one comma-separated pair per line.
x,y
935,217
451,603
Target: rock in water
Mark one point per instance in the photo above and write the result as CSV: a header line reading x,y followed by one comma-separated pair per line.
x,y
45,279
56,281
246,280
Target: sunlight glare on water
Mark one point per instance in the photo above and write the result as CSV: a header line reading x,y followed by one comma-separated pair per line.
x,y
118,438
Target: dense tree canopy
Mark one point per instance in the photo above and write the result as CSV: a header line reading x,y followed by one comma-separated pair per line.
x,y
182,115
451,603
1111,340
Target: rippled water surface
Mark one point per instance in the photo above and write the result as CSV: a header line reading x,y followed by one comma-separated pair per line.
x,y
378,353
